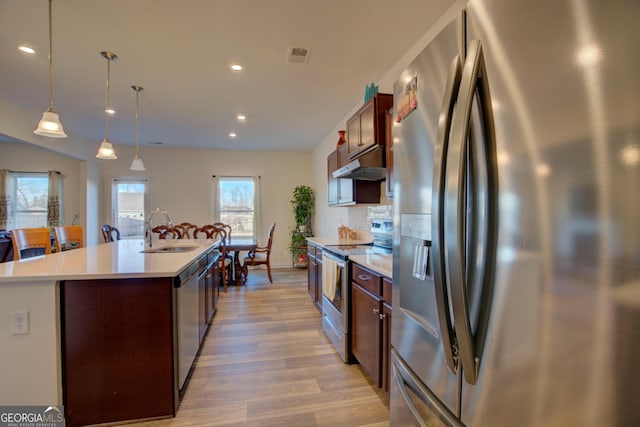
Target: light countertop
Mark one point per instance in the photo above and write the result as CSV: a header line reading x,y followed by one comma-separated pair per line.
x,y
119,259
382,264
333,241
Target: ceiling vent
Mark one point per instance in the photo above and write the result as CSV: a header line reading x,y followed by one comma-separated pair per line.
x,y
298,55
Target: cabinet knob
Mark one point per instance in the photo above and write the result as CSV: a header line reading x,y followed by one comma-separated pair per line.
x,y
376,311
382,316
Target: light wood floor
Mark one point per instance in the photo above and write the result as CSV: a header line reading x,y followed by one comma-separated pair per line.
x,y
267,362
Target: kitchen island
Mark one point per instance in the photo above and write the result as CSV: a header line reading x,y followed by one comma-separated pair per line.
x,y
110,332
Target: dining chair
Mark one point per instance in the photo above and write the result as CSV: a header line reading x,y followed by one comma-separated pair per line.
x,y
108,232
68,237
259,256
165,232
226,228
33,241
210,231
187,229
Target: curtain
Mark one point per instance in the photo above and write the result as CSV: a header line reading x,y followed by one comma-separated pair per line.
x,y
215,194
7,203
54,207
257,209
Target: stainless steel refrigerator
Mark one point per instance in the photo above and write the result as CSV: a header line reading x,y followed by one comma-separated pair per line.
x,y
516,269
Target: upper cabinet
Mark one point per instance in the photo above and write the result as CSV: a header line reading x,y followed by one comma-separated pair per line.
x,y
346,191
368,127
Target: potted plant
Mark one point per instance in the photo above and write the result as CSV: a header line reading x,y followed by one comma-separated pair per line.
x,y
303,203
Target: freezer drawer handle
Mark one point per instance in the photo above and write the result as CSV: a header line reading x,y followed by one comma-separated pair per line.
x,y
407,381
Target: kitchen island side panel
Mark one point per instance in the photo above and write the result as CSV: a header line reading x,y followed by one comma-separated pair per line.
x,y
117,349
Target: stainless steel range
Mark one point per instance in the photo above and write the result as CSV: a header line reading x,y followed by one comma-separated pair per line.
x,y
336,271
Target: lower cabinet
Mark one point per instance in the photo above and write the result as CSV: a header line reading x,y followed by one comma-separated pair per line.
x,y
208,290
314,273
371,323
366,331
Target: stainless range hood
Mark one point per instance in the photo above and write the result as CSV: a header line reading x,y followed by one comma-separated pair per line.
x,y
368,167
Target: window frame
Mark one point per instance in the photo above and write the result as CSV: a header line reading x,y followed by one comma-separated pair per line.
x,y
113,214
217,202
16,176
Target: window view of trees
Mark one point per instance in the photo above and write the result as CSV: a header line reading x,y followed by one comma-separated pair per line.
x,y
236,205
129,207
31,196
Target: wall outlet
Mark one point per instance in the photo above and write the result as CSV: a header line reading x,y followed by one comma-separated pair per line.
x,y
19,322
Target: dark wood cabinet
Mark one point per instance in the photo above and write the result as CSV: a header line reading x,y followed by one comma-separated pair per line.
x,y
208,290
368,126
371,323
118,355
314,273
345,191
366,333
386,334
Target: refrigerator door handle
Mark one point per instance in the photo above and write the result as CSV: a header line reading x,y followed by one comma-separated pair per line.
x,y
437,219
456,227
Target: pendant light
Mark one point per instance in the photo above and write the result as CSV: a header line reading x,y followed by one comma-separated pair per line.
x,y
136,164
106,150
50,124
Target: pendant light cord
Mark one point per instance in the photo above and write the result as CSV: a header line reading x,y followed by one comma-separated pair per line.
x,y
106,110
137,124
50,60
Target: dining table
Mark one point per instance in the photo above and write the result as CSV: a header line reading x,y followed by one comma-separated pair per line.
x,y
237,245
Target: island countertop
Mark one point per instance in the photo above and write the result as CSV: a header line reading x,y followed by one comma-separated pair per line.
x,y
119,259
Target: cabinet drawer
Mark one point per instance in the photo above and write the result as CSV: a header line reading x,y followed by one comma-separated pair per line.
x,y
386,290
367,279
311,250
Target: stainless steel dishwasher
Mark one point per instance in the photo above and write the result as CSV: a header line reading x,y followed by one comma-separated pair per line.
x,y
188,321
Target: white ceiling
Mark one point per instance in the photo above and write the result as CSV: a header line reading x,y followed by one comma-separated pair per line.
x,y
180,52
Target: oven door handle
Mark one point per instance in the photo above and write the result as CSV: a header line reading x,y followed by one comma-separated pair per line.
x,y
341,263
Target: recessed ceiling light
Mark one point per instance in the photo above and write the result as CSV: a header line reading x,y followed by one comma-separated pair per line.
x,y
242,117
232,135
236,67
26,49
110,111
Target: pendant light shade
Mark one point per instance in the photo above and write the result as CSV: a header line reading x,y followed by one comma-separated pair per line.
x,y
136,164
106,150
50,124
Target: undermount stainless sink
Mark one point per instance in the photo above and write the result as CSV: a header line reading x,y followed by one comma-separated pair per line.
x,y
168,249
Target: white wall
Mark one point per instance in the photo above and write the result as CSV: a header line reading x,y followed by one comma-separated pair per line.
x,y
19,156
18,124
181,184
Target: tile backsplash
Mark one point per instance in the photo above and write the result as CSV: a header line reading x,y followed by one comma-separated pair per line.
x,y
359,218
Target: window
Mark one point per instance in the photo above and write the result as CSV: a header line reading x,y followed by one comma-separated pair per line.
x,y
236,204
31,195
130,201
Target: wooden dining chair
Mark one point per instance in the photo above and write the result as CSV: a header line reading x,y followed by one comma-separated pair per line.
x,y
33,241
68,237
226,228
187,229
259,256
108,233
210,231
165,232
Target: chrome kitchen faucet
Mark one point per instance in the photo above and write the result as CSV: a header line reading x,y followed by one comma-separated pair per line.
x,y
148,233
